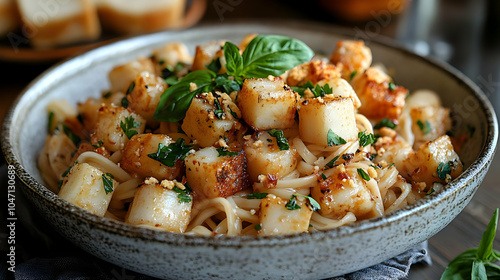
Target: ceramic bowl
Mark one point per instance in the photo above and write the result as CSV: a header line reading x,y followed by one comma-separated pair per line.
x,y
299,256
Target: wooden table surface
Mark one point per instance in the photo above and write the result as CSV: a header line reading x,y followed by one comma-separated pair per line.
x,y
459,33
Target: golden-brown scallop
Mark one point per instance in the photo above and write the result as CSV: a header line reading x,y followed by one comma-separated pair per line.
x,y
84,187
276,218
206,53
265,157
313,71
135,157
342,192
318,116
379,97
213,175
158,206
210,118
145,96
115,125
434,161
354,56
171,54
121,76
267,103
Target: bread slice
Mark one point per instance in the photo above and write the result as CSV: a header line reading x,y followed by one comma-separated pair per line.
x,y
9,16
59,22
135,17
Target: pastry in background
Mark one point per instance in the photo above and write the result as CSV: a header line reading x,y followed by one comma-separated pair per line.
x,y
9,16
363,10
136,17
63,22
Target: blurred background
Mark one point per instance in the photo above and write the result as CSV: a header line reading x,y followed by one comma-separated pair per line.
x,y
463,33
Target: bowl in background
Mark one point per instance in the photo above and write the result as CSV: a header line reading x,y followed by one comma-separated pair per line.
x,y
299,256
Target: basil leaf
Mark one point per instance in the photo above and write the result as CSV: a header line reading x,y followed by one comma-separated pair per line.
x,y
385,122
461,266
227,85
334,139
256,195
129,125
478,271
280,139
223,152
169,155
492,270
485,248
107,182
273,55
183,195
234,60
175,101
214,66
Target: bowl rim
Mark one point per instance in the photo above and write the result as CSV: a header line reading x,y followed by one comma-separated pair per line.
x,y
122,229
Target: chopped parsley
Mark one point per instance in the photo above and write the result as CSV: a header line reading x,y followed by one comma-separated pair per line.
x,y
129,125
74,138
424,127
107,182
99,144
169,155
130,88
385,122
365,140
323,176
331,163
124,102
317,91
50,121
258,227
363,174
219,113
334,139
443,170
184,195
430,191
292,203
256,195
353,73
224,152
280,139
392,86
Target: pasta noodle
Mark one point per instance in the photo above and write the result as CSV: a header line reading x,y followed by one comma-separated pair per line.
x,y
313,149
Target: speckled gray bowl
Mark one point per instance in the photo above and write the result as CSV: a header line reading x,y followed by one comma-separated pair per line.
x,y
300,256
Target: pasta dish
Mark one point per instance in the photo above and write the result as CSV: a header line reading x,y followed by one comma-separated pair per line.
x,y
260,138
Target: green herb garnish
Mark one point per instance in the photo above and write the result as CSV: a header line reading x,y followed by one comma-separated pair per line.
x,y
443,170
224,152
168,155
477,263
323,176
334,139
99,144
50,121
124,102
292,203
353,73
424,127
331,163
256,195
258,227
385,122
74,138
184,195
392,86
280,139
317,91
107,182
218,112
365,140
363,174
215,65
129,125
107,95
130,88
